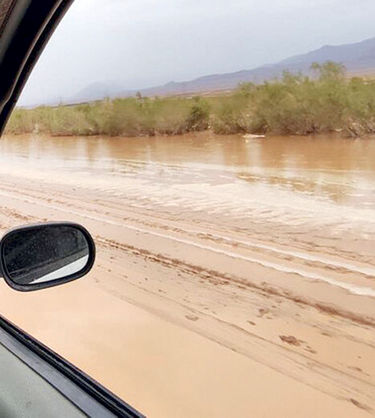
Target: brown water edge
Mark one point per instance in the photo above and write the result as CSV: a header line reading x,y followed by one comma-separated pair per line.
x,y
233,277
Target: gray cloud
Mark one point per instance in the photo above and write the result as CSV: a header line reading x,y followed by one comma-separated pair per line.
x,y
140,43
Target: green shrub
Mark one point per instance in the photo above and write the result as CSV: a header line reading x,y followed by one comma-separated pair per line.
x,y
199,115
293,104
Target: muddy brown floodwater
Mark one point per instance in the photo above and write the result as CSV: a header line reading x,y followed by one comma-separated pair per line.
x,y
234,277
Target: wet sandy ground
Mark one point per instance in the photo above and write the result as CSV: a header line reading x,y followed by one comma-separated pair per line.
x,y
234,284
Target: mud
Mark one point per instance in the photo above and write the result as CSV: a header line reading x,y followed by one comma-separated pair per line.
x,y
233,278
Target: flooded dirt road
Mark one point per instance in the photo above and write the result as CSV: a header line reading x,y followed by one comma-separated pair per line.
x,y
234,277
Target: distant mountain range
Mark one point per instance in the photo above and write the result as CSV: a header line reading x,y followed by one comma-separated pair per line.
x,y
357,58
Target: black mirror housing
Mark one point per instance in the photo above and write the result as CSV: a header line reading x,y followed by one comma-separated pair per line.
x,y
39,256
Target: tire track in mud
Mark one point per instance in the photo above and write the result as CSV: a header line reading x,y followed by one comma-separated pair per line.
x,y
218,278
215,276
354,289
269,353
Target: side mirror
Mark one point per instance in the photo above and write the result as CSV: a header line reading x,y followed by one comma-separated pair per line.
x,y
39,256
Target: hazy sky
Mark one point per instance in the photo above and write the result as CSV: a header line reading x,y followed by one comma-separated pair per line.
x,y
141,43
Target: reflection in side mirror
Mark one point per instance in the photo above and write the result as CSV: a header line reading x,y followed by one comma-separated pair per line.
x,y
45,255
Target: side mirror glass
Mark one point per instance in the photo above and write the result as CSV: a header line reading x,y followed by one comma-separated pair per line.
x,y
39,256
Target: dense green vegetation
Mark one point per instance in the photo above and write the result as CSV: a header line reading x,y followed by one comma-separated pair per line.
x,y
130,117
294,104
